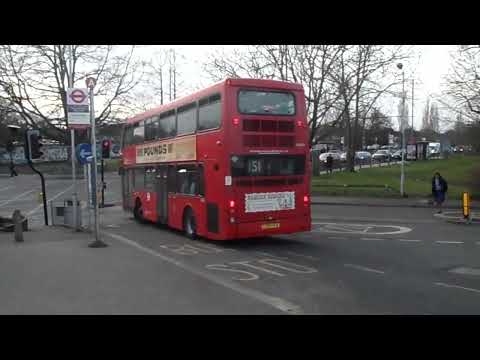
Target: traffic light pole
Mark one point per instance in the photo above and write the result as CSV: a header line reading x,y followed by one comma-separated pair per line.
x,y
45,212
28,155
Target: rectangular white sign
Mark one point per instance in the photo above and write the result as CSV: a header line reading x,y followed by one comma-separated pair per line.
x,y
273,201
77,107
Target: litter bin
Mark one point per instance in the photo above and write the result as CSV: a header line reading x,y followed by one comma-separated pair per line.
x,y
68,213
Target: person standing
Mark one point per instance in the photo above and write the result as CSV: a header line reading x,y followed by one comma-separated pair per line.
x,y
12,170
439,189
329,163
12,166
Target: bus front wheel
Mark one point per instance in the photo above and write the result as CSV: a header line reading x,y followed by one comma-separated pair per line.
x,y
189,224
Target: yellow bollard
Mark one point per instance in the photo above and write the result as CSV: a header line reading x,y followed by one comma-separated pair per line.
x,y
466,205
40,197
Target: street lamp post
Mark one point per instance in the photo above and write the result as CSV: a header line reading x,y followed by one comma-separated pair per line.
x,y
402,124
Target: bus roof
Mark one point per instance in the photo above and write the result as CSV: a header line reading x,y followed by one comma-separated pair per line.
x,y
212,88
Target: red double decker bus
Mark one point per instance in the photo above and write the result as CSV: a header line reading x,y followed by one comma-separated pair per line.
x,y
230,161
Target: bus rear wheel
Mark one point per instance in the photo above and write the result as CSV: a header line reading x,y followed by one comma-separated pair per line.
x,y
190,224
138,211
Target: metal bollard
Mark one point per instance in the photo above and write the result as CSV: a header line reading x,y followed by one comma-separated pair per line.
x,y
18,226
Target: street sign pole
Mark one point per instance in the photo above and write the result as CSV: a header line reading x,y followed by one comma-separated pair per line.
x,y
74,180
97,243
87,177
402,122
72,141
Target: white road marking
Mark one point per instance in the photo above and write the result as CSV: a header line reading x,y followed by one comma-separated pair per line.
x,y
358,267
49,200
375,239
359,228
271,255
457,287
6,188
466,271
384,220
247,264
288,266
409,240
456,214
304,256
337,238
449,242
278,303
16,197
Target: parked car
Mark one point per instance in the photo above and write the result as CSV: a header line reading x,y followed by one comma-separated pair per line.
x,y
397,155
335,156
359,156
363,156
373,147
381,155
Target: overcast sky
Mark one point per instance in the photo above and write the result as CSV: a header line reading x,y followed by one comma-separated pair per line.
x,y
432,63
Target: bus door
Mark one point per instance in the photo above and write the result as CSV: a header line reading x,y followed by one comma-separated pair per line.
x,y
162,193
129,184
125,189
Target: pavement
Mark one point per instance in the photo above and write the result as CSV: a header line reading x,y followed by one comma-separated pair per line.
x,y
55,272
387,202
356,260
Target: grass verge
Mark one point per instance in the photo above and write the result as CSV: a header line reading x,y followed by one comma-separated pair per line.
x,y
457,170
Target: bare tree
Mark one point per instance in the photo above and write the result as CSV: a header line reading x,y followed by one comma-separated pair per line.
x,y
174,66
34,79
463,81
355,75
157,69
308,65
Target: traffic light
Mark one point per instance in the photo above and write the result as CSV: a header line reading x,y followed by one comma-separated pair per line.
x,y
33,144
106,144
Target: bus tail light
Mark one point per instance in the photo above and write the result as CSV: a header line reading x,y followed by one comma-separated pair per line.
x,y
236,121
305,200
231,207
300,123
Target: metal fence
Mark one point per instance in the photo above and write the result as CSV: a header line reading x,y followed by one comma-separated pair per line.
x,y
52,153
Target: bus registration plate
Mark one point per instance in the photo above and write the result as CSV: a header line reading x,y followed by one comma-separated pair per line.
x,y
272,201
270,226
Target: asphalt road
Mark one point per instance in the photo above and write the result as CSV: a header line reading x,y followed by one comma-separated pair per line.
x,y
357,260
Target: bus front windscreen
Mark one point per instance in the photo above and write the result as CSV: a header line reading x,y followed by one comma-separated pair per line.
x,y
268,165
266,102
